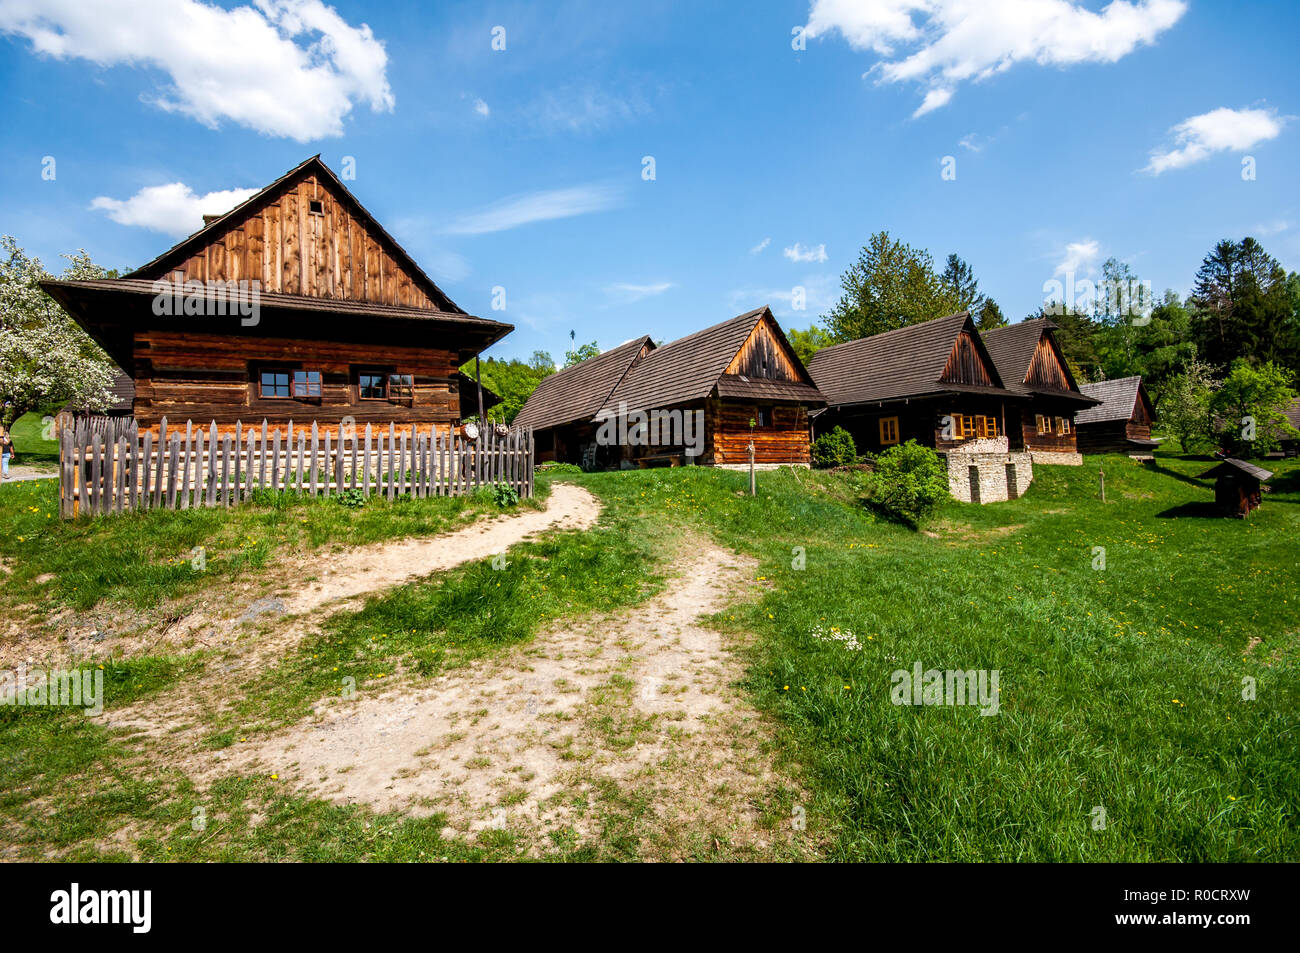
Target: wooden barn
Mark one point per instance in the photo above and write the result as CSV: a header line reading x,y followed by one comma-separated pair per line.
x,y
1032,366
1121,422
690,401
295,305
1238,486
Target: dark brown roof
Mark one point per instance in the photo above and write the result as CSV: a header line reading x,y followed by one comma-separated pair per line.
x,y
905,362
1232,464
738,385
183,249
1117,397
1293,413
577,392
123,389
689,368
85,300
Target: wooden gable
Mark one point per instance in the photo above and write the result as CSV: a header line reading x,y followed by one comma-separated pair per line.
x,y
1047,368
1143,411
967,364
304,235
766,355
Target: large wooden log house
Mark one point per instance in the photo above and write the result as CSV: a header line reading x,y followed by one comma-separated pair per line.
x,y
700,399
1121,420
934,383
1031,365
295,305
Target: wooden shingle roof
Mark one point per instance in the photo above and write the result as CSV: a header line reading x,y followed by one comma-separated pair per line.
x,y
577,392
689,368
1232,464
905,362
1117,397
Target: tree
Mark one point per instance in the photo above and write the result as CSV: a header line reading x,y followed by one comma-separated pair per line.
x,y
514,382
959,284
1252,403
581,353
891,285
1184,407
1244,305
808,342
46,360
990,316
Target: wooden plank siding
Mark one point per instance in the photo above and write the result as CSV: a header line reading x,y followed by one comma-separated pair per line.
x,y
292,249
185,375
762,356
784,440
965,364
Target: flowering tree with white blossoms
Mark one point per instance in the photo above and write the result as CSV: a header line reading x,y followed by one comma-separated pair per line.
x,y
46,360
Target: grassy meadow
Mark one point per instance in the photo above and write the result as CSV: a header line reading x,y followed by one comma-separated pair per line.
x,y
1121,688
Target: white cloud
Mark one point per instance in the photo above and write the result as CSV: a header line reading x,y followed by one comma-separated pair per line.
x,y
291,68
948,42
818,293
1079,258
537,207
798,253
971,142
629,293
585,109
1219,130
482,108
1275,227
173,209
760,246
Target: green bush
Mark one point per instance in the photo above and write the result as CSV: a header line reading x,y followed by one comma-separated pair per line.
x,y
560,468
351,497
911,480
834,449
504,495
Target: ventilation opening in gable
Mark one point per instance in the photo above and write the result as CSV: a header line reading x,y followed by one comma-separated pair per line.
x,y
316,207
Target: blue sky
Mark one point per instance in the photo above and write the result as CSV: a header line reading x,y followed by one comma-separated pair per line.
x,y
1078,131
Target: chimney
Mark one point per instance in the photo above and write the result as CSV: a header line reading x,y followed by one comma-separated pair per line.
x,y
209,219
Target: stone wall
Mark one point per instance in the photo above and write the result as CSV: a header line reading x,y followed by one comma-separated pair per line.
x,y
993,483
1057,458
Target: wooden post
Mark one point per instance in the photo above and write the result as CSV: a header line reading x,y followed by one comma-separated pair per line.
x,y
753,487
1101,476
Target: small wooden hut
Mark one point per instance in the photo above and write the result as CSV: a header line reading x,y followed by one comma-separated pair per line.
x,y
1238,486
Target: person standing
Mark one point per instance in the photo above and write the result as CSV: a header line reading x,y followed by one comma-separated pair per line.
x,y
6,453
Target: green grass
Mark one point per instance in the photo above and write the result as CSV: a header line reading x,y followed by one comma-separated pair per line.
x,y
143,558
1121,687
30,446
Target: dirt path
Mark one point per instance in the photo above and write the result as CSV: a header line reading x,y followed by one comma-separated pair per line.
x,y
632,722
370,568
251,619
257,634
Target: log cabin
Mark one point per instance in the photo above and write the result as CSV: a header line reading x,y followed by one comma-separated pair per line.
x,y
294,305
1031,365
1121,422
701,399
934,383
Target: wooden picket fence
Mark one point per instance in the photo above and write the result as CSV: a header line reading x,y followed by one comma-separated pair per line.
x,y
102,473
